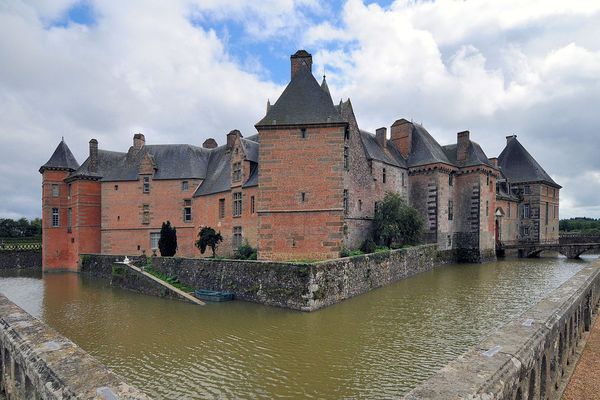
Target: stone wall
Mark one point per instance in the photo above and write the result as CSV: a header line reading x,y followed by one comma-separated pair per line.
x,y
298,286
38,363
20,259
529,357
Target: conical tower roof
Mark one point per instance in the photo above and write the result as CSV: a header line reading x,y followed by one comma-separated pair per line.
x,y
302,102
325,87
62,159
519,166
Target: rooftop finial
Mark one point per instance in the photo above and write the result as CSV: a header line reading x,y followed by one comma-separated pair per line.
x,y
62,138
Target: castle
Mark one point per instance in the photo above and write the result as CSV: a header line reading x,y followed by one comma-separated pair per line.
x,y
304,187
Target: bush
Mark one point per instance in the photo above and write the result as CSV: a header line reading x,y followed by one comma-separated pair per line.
x,y
397,222
368,246
355,253
208,237
245,252
167,244
344,252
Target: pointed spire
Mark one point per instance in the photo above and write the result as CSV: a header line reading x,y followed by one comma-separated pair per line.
x,y
62,159
268,105
324,86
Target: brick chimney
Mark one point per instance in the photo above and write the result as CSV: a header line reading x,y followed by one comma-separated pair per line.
x,y
494,161
138,141
462,145
93,155
401,136
299,59
231,137
380,136
509,138
210,143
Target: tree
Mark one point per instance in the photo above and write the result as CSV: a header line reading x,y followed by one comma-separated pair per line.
x,y
208,237
167,244
397,222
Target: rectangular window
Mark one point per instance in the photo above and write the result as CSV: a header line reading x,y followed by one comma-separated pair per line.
x,y
146,214
221,208
237,171
526,211
487,180
547,211
383,176
527,189
403,183
450,180
346,162
302,197
146,184
526,231
69,190
237,204
508,210
303,133
69,219
450,210
237,236
345,201
487,207
252,209
55,190
359,205
187,210
154,238
185,186
346,134
116,187
55,219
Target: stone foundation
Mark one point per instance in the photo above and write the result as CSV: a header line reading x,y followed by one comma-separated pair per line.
x,y
21,259
298,286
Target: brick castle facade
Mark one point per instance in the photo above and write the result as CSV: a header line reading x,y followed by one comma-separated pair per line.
x,y
304,187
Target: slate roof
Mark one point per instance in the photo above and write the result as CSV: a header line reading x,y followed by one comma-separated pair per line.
x,y
302,102
62,158
173,161
475,155
218,173
425,149
374,151
251,148
519,166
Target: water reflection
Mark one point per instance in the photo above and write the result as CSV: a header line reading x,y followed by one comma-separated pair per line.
x,y
377,345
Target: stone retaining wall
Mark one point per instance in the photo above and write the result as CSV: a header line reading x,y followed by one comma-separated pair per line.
x,y
298,286
38,363
528,357
20,259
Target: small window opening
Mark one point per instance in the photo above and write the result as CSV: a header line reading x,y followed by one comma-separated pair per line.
x,y
303,197
116,187
303,133
384,176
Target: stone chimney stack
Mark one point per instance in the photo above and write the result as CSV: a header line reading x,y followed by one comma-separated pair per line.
x,y
231,138
138,141
300,59
509,138
210,143
494,161
401,136
93,155
462,145
381,136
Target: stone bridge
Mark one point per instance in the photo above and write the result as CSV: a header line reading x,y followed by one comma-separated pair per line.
x,y
569,245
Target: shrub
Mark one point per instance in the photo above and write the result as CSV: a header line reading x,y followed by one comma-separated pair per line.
x,y
397,222
368,246
344,252
208,237
245,252
167,244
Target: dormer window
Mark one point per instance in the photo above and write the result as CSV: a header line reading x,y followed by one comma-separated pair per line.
x,y
237,171
185,186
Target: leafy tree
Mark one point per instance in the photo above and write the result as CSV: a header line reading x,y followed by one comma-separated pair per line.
x,y
208,237
397,222
167,244
10,228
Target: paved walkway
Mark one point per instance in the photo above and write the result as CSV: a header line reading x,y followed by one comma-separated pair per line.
x,y
585,381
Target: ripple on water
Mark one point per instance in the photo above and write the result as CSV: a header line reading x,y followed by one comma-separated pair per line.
x,y
377,345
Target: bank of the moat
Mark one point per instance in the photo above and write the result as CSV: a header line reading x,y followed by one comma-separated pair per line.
x,y
377,345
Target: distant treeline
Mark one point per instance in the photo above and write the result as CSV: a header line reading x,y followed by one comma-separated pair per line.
x,y
22,228
580,225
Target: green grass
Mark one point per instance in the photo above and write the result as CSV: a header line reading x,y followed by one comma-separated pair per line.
x,y
171,280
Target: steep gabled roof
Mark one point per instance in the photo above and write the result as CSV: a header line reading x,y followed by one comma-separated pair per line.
x,y
374,151
519,166
218,174
302,102
475,155
62,159
425,149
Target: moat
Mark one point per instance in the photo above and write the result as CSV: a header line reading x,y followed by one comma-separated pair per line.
x,y
380,344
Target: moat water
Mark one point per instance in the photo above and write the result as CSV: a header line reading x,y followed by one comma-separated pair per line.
x,y
378,345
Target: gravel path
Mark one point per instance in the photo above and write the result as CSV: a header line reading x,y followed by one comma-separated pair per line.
x,y
585,381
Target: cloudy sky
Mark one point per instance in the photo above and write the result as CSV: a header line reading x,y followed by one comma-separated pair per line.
x,y
181,71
